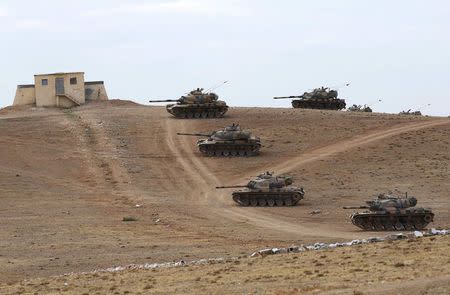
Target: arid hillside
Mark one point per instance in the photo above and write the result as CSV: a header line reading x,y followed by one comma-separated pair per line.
x,y
69,177
413,267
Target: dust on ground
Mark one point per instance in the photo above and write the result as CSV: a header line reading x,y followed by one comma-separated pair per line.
x,y
69,177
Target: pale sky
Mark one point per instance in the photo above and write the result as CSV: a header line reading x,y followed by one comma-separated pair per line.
x,y
397,51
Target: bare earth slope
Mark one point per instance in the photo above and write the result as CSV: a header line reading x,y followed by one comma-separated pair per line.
x,y
415,267
67,178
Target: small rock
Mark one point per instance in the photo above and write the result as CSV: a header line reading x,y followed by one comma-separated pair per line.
x,y
315,212
418,234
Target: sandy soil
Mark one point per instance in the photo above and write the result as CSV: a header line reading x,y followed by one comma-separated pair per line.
x,y
396,267
67,179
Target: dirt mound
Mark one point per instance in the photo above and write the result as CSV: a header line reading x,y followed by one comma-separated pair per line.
x,y
109,103
13,109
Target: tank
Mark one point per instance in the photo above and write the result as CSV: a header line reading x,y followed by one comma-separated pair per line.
x,y
267,190
360,108
196,104
230,141
322,98
412,113
390,213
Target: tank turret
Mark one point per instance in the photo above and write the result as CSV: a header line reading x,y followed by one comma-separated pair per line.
x,y
196,104
230,141
267,190
387,212
319,98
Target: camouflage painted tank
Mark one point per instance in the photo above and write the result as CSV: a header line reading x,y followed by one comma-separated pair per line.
x,y
408,112
196,104
231,141
360,108
389,213
320,98
267,190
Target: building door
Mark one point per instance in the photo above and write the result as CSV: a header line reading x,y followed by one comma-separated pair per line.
x,y
59,86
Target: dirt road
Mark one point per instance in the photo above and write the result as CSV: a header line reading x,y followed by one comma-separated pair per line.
x,y
205,181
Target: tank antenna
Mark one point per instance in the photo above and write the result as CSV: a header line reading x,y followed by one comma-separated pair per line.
x,y
216,86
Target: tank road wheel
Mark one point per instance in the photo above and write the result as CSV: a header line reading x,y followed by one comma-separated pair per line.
x,y
243,201
378,225
288,201
358,222
371,224
241,153
204,115
271,202
234,153
226,153
388,224
197,115
211,153
262,202
210,114
254,202
427,218
409,224
279,202
398,225
182,115
366,225
189,115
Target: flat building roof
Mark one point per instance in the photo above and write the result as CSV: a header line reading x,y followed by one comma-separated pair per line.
x,y
58,74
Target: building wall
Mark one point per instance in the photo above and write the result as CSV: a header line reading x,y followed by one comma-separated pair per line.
x,y
25,94
95,91
46,94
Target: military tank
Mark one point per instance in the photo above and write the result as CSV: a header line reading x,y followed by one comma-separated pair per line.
x,y
267,190
196,104
322,98
390,213
411,113
230,141
360,108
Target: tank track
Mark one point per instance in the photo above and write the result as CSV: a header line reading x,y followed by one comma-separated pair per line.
x,y
392,222
336,104
271,199
230,150
197,111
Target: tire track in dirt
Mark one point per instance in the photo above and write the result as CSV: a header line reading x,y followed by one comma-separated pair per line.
x,y
205,181
202,180
103,163
343,146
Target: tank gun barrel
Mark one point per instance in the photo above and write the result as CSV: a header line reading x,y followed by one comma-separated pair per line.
x,y
356,207
164,100
286,97
231,186
193,134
